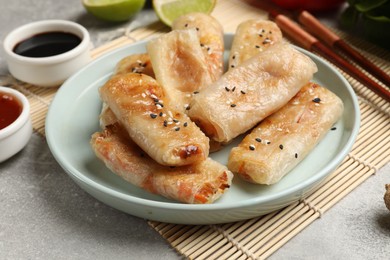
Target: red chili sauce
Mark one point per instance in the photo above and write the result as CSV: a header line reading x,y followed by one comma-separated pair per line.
x,y
10,109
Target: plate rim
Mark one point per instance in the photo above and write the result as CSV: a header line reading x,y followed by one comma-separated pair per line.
x,y
321,174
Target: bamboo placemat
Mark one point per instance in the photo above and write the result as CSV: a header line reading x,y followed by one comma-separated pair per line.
x,y
258,238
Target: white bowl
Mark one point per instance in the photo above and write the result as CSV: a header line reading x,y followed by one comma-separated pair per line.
x,y
47,71
14,137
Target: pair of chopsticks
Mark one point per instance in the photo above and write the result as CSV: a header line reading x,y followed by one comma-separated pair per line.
x,y
332,41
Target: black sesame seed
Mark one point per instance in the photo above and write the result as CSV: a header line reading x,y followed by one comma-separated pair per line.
x,y
258,140
243,92
260,35
233,105
185,124
201,45
156,100
333,128
175,120
188,107
257,46
186,25
316,100
208,48
160,114
227,89
153,115
197,28
281,147
268,142
232,66
252,147
233,89
296,155
165,123
234,56
196,92
177,128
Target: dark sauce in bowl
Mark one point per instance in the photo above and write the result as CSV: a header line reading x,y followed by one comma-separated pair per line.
x,y
10,109
47,44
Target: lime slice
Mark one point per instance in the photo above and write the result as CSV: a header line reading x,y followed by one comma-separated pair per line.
x,y
169,10
113,10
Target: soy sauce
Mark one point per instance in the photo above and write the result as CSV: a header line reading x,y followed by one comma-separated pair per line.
x,y
10,109
47,44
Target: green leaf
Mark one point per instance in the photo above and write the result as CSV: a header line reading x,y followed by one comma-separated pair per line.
x,y
367,5
349,17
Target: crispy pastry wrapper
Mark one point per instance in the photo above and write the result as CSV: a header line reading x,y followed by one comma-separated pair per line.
x,y
282,140
199,183
165,134
244,96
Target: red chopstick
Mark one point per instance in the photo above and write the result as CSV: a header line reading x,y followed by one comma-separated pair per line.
x,y
309,42
333,40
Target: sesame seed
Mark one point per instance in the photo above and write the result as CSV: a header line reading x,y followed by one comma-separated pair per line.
x,y
186,25
196,92
234,56
252,147
197,28
227,89
177,129
175,120
260,35
165,123
232,66
257,46
316,100
232,105
185,124
152,115
296,155
333,128
233,89
188,107
281,147
243,92
268,142
258,140
161,114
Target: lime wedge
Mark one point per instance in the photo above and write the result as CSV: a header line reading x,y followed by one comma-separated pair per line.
x,y
169,10
113,10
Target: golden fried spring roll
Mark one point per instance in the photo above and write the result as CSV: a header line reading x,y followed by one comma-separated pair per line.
x,y
210,33
252,36
179,65
166,135
283,139
244,96
200,183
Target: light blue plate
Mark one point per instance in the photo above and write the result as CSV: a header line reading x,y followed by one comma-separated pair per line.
x,y
73,117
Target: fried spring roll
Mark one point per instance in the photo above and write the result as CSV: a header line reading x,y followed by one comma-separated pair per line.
x,y
253,36
179,65
199,183
210,33
166,135
282,140
243,97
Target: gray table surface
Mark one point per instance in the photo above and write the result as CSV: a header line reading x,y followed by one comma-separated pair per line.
x,y
45,215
